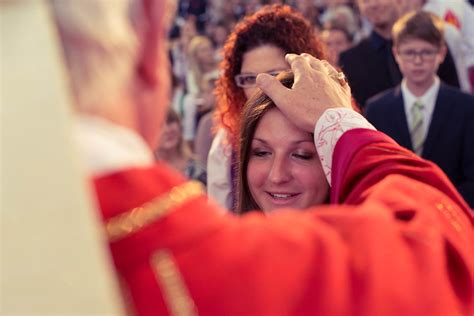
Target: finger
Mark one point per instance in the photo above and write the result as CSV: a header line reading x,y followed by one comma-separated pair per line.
x,y
290,57
273,88
298,64
315,63
330,70
347,88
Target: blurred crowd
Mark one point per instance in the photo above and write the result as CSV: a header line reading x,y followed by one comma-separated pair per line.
x,y
201,28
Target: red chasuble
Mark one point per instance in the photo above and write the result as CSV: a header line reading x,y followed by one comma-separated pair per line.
x,y
399,242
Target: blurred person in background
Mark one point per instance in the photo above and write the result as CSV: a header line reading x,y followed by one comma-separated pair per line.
x,y
204,134
344,17
175,151
201,60
337,40
195,9
251,6
336,3
309,10
183,32
218,33
257,44
174,252
370,66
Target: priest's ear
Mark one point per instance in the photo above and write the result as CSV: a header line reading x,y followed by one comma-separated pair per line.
x,y
152,20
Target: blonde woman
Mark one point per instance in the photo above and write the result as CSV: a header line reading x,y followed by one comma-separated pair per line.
x,y
201,60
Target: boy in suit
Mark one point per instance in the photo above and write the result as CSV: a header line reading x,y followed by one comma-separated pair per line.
x,y
423,114
370,66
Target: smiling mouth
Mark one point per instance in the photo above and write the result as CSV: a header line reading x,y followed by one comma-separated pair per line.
x,y
282,196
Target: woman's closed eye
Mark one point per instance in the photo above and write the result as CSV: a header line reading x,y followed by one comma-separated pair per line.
x,y
304,155
260,152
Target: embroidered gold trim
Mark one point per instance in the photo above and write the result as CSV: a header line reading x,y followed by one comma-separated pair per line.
x,y
453,218
135,219
175,291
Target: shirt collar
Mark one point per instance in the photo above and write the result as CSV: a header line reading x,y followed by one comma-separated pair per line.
x,y
429,97
107,147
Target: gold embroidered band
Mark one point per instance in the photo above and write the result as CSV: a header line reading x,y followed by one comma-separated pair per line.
x,y
175,291
124,224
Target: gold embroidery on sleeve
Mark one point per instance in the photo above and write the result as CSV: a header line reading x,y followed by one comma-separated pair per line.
x,y
175,292
451,215
129,222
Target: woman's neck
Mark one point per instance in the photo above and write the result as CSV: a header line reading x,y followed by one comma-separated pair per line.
x,y
207,67
173,158
168,155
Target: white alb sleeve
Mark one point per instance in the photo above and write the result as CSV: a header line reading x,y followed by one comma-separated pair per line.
x,y
329,128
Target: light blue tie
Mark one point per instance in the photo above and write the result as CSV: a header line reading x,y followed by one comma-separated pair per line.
x,y
417,137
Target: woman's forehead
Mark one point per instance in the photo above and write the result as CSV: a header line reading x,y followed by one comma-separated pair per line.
x,y
274,125
264,58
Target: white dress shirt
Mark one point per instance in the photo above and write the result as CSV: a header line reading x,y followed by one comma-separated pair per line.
x,y
428,99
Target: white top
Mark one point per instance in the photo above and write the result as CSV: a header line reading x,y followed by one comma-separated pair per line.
x,y
428,100
107,147
189,116
218,169
462,12
456,45
329,128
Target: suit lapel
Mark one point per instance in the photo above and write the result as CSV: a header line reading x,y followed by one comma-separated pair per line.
x,y
400,119
439,117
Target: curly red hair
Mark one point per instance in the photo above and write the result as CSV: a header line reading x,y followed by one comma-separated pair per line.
x,y
277,25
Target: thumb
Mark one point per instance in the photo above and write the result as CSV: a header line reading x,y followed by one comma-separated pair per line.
x,y
273,88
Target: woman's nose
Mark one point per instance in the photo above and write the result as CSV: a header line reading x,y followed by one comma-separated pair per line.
x,y
280,170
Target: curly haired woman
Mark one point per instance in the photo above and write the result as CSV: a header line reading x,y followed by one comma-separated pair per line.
x,y
257,44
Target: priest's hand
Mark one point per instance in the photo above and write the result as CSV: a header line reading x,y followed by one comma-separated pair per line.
x,y
317,87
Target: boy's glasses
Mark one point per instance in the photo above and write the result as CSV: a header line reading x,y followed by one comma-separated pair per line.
x,y
250,80
425,55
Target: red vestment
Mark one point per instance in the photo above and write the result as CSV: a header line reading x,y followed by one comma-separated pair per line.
x,y
400,242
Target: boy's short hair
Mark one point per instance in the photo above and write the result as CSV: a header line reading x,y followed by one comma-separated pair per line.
x,y
419,25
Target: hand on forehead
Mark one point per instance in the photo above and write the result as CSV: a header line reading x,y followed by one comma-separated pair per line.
x,y
317,87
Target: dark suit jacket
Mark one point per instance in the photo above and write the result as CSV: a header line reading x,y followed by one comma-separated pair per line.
x,y
367,68
450,139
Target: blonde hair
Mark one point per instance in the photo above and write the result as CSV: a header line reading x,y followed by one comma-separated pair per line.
x,y
194,64
100,49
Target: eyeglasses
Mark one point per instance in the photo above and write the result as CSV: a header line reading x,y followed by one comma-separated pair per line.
x,y
425,55
249,80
